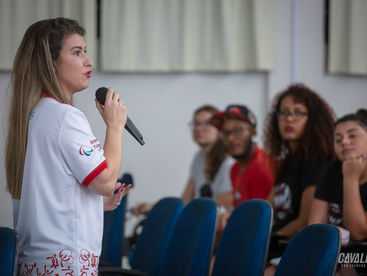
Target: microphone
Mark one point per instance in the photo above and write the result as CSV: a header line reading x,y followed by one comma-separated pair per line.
x,y
129,126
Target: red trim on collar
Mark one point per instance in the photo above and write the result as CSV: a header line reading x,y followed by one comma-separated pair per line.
x,y
48,95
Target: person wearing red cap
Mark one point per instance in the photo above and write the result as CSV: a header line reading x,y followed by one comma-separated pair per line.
x,y
210,167
252,175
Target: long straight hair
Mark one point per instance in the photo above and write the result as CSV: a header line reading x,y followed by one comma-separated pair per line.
x,y
217,153
33,74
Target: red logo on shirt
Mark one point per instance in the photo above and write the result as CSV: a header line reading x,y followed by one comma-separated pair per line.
x,y
95,144
86,152
60,264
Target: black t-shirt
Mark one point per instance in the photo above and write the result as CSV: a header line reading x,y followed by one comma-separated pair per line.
x,y
330,189
289,189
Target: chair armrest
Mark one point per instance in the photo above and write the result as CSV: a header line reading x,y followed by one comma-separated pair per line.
x,y
279,241
354,246
114,270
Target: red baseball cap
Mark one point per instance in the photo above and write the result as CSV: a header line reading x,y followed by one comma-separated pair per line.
x,y
233,111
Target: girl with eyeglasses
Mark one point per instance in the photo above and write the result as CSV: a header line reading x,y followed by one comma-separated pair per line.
x,y
297,134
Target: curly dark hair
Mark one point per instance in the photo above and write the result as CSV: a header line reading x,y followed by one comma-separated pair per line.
x,y
315,145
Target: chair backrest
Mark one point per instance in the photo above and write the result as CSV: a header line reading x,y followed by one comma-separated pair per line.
x,y
190,247
244,244
113,230
313,251
7,251
157,230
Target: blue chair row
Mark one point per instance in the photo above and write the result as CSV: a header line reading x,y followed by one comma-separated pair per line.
x,y
174,240
242,251
178,241
243,247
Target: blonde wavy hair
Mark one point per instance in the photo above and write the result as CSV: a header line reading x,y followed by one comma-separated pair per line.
x,y
33,74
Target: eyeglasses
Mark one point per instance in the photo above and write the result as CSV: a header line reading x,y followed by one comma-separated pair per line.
x,y
236,132
205,125
296,114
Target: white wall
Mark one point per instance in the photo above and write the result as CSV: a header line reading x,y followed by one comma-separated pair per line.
x,y
161,105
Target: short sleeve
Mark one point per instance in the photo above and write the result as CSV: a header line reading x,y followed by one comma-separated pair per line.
x,y
363,193
81,151
322,186
196,164
310,174
222,180
262,181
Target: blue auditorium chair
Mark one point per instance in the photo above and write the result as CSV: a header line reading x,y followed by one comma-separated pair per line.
x,y
189,250
113,235
152,243
113,230
313,251
7,251
244,244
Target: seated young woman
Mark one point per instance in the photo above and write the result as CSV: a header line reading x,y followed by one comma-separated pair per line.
x,y
297,134
341,194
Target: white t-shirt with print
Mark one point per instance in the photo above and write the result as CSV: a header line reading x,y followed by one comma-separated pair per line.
x,y
222,179
59,220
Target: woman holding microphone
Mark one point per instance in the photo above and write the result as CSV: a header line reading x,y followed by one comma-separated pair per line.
x,y
60,177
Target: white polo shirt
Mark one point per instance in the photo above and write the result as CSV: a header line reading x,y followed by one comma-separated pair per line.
x,y
60,220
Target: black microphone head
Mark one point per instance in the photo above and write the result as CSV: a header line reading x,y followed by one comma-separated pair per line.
x,y
127,178
129,126
101,95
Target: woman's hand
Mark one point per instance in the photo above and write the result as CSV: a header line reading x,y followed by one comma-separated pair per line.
x,y
353,168
112,202
354,215
222,220
114,113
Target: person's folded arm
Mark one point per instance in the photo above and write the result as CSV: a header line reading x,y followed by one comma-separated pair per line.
x,y
225,200
293,227
318,212
354,215
189,191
